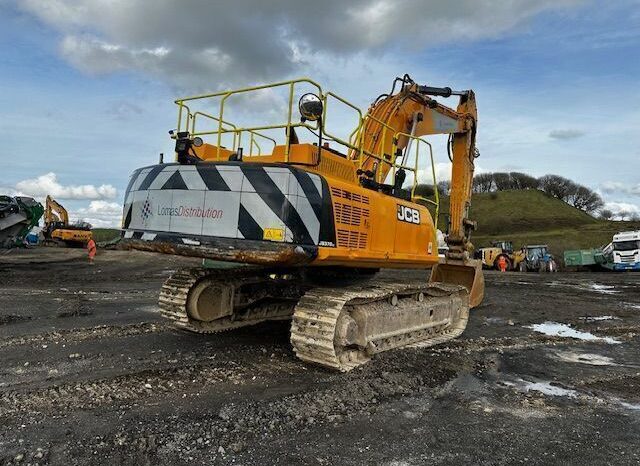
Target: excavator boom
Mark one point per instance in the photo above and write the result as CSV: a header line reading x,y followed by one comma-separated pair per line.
x,y
54,212
413,111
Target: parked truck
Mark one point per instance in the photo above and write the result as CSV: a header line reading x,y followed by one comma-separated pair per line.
x,y
622,253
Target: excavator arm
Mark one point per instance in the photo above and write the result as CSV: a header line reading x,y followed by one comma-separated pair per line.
x,y
413,111
55,213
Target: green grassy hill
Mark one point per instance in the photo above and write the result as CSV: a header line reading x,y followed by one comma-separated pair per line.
x,y
105,234
532,217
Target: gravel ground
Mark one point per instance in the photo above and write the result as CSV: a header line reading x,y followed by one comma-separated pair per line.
x,y
91,375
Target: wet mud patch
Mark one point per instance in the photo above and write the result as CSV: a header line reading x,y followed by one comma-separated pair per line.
x,y
7,319
566,331
584,358
626,387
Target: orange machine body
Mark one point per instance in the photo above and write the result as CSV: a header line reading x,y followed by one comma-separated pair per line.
x,y
372,229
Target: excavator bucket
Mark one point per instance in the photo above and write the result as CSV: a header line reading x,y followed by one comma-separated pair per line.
x,y
466,273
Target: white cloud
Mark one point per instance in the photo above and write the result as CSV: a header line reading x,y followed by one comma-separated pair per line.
x,y
610,187
101,214
206,44
48,184
622,210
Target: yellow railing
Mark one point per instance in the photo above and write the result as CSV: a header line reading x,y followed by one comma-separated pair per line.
x,y
237,133
349,144
355,143
364,155
255,130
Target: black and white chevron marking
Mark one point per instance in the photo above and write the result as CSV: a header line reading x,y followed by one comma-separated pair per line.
x,y
236,200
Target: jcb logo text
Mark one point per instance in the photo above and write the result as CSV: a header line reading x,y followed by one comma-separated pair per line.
x,y
409,215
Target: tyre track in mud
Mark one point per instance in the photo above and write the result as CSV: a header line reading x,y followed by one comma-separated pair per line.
x,y
183,372
87,333
130,387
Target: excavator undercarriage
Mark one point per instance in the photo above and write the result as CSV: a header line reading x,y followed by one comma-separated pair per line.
x,y
336,325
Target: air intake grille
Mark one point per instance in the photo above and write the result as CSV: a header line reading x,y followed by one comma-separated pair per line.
x,y
351,239
337,192
351,214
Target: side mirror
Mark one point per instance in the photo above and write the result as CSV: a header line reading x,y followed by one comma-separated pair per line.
x,y
310,107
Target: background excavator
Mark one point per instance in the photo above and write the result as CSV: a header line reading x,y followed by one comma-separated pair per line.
x,y
57,229
312,224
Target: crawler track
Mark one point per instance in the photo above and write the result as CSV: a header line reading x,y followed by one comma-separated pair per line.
x,y
403,313
259,295
315,325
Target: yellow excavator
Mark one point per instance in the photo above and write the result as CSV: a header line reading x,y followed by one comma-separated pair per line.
x,y
57,229
312,222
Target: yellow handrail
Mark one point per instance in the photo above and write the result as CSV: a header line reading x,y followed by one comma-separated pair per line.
x,y
355,142
226,94
335,138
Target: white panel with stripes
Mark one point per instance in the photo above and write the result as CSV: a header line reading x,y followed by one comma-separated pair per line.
x,y
232,175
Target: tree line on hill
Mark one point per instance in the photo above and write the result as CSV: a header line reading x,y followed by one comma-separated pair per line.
x,y
556,186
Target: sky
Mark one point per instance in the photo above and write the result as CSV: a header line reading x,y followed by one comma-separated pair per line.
x,y
88,85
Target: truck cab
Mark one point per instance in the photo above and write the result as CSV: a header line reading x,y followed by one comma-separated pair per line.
x,y
625,250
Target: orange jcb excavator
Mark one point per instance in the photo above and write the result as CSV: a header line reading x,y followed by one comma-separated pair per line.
x,y
57,229
314,223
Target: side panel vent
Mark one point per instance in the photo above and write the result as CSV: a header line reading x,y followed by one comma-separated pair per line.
x,y
351,212
351,239
337,192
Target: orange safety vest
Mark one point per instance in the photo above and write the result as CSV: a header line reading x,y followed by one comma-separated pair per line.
x,y
502,263
91,248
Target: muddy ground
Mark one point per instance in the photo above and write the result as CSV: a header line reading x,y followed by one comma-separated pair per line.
x,y
90,374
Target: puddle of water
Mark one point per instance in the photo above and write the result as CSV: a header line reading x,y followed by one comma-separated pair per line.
x,y
598,318
597,287
633,306
632,406
542,387
605,289
547,389
494,320
563,330
585,358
